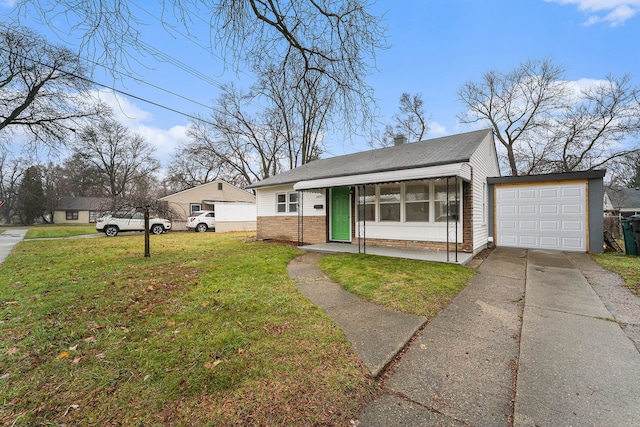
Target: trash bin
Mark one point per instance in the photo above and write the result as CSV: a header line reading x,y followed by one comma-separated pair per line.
x,y
635,227
629,240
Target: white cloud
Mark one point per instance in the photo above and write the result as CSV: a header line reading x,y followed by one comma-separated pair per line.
x,y
137,120
124,110
612,12
578,87
436,129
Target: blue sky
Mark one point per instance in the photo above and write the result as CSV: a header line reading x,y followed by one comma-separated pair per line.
x,y
435,47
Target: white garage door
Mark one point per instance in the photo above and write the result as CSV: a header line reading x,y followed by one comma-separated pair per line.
x,y
540,216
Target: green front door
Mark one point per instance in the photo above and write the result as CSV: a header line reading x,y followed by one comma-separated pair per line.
x,y
340,214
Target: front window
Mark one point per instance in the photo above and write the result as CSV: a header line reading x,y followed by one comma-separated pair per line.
x,y
428,201
287,202
72,215
445,197
367,203
293,202
195,207
417,202
390,202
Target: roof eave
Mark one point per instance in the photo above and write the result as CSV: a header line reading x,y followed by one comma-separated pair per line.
x,y
460,169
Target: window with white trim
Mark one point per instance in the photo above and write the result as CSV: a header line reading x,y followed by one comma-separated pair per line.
x,y
287,202
367,203
411,202
390,198
416,202
195,207
445,202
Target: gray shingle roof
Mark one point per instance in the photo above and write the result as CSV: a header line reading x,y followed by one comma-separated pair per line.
x,y
622,198
432,152
83,203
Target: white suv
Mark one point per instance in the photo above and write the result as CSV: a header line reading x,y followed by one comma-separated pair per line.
x,y
201,221
111,225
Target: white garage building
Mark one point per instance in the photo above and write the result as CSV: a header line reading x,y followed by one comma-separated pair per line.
x,y
555,211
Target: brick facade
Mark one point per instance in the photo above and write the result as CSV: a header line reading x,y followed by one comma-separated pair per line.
x,y
314,228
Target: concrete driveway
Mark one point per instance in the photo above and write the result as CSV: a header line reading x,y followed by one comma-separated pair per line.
x,y
527,343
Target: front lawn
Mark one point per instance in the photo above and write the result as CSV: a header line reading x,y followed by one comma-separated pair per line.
x,y
208,331
41,231
417,287
627,266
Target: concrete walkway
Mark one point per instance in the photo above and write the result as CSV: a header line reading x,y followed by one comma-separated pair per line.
x,y
527,343
377,334
9,239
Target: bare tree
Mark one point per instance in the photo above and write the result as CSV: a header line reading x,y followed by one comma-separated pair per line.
x,y
591,132
516,105
125,160
548,125
79,177
410,120
337,39
625,172
249,144
303,107
53,187
42,87
11,171
193,165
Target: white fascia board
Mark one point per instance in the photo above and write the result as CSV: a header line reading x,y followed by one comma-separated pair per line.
x,y
462,170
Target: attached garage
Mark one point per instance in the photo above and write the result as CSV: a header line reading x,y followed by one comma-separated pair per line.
x,y
556,211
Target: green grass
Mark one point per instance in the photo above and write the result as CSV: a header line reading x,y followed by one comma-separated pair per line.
x,y
416,287
41,231
628,267
208,331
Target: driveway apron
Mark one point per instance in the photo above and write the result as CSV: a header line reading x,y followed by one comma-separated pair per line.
x,y
577,366
9,239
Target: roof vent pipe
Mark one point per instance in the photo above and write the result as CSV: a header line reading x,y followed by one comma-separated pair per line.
x,y
399,140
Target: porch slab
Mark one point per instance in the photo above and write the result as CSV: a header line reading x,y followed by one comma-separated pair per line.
x,y
438,256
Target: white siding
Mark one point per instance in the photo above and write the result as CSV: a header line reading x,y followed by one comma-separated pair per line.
x,y
484,164
230,211
419,232
266,200
180,202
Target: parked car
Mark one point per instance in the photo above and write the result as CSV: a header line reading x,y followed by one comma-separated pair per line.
x,y
201,221
111,225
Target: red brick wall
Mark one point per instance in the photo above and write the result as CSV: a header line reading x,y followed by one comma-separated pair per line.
x,y
286,228
416,244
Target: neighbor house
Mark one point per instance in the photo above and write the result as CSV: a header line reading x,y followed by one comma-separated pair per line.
x,y
79,210
622,202
234,207
429,195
